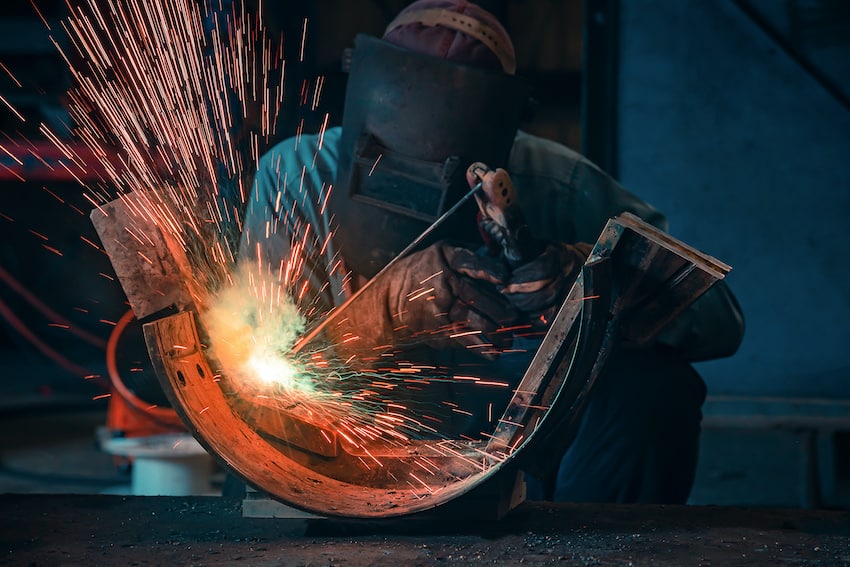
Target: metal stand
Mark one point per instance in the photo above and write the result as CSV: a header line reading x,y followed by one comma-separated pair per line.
x,y
493,501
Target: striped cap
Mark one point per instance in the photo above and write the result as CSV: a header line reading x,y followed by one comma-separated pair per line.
x,y
456,30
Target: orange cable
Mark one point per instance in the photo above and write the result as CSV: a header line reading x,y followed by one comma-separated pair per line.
x,y
165,416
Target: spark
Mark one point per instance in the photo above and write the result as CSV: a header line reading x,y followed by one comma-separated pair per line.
x,y
419,293
423,483
11,76
465,334
493,383
322,130
13,109
90,243
157,100
375,164
303,40
10,154
317,92
13,172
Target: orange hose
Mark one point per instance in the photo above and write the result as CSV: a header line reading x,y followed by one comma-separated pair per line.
x,y
164,416
18,288
7,313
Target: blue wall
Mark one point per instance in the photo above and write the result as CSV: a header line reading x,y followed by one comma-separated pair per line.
x,y
750,159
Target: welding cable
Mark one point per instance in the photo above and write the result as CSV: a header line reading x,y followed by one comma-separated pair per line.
x,y
163,416
9,315
45,310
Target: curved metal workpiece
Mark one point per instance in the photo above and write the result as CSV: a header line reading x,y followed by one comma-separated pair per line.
x,y
302,457
301,461
304,464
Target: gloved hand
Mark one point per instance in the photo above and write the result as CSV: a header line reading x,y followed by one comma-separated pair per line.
x,y
542,272
538,287
444,296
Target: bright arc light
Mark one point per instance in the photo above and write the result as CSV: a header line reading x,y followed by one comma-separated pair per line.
x,y
274,371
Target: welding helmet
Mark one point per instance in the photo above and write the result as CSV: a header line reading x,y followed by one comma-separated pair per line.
x,y
436,94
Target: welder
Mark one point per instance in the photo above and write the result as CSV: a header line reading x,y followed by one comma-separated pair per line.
x,y
433,108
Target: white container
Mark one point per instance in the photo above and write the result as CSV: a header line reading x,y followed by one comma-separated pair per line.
x,y
165,465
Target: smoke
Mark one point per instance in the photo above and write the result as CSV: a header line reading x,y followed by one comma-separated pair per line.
x,y
253,325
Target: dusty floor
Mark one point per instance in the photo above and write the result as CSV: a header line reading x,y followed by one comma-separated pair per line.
x,y
58,506
125,530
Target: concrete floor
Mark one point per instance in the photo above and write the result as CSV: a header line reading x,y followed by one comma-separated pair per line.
x,y
53,450
147,530
61,504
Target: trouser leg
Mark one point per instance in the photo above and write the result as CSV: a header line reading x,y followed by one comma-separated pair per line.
x,y
639,436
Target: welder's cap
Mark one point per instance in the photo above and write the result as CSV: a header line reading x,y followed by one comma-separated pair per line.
x,y
455,30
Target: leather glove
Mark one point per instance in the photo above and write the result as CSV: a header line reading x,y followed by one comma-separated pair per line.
x,y
444,296
538,288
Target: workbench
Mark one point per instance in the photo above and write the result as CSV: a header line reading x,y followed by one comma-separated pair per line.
x,y
210,530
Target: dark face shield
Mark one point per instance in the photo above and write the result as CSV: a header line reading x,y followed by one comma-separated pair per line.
x,y
412,125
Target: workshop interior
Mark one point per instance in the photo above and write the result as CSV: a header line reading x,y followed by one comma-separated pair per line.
x,y
732,117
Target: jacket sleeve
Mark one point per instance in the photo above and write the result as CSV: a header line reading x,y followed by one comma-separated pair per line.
x,y
568,198
286,231
713,327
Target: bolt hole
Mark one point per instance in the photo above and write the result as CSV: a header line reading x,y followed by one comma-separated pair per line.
x,y
181,378
200,370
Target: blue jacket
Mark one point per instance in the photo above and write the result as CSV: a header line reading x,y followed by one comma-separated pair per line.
x,y
564,196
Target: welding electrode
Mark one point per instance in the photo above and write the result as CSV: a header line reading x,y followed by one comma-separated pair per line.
x,y
313,333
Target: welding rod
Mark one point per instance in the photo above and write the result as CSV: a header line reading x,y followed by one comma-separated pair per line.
x,y
314,332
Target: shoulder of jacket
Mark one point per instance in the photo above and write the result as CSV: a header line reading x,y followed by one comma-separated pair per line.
x,y
533,156
296,152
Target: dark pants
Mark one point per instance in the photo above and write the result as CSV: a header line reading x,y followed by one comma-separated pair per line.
x,y
639,436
